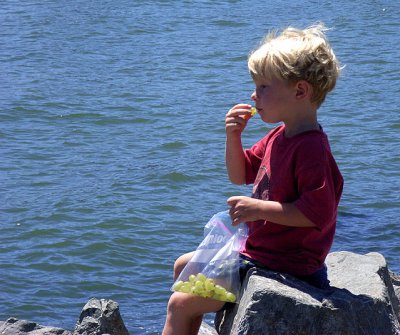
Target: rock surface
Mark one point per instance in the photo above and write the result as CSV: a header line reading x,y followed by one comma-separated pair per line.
x,y
22,327
100,317
364,299
207,330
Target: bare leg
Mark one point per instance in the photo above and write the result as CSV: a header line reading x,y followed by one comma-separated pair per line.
x,y
179,265
185,313
181,262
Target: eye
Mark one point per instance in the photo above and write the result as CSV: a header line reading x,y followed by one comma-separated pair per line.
x,y
261,87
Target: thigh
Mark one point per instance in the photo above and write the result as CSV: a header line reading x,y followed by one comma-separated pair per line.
x,y
193,305
181,262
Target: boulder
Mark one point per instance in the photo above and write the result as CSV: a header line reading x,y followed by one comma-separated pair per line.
x,y
363,299
206,329
395,279
22,327
100,317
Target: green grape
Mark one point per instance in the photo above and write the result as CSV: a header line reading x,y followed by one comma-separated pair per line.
x,y
230,297
199,285
253,111
197,291
208,294
203,294
209,284
178,285
204,287
220,290
201,277
219,297
224,296
185,288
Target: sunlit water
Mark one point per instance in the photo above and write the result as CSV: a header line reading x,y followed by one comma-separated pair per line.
x,y
112,141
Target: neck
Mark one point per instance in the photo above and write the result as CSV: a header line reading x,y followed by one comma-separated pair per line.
x,y
300,118
303,122
300,128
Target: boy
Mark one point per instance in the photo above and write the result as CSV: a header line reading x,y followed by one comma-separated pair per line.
x,y
296,182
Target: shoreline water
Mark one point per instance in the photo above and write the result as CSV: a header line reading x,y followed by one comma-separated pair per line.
x,y
112,141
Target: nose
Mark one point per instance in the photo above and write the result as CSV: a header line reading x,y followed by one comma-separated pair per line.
x,y
254,96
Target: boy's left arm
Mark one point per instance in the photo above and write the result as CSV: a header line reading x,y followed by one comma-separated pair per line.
x,y
244,209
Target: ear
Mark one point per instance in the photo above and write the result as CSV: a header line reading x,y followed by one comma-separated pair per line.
x,y
303,89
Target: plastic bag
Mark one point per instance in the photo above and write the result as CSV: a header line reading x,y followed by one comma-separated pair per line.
x,y
213,271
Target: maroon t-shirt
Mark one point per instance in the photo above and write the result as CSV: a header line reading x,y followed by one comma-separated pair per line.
x,y
299,170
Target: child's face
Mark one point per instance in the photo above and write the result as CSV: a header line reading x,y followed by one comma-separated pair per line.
x,y
274,100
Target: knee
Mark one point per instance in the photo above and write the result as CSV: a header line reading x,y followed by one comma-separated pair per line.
x,y
178,267
180,264
189,306
178,303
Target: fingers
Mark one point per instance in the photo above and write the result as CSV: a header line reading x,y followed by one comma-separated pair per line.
x,y
234,211
239,110
235,216
238,116
233,200
236,221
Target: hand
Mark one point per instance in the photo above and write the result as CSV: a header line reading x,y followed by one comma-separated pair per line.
x,y
244,209
237,117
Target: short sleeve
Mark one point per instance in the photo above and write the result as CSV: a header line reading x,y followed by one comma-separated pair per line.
x,y
253,159
319,182
317,199
255,155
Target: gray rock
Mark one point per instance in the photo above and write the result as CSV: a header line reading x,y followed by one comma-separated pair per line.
x,y
99,317
206,329
364,299
395,279
22,327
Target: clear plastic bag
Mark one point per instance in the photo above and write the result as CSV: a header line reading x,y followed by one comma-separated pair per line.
x,y
213,271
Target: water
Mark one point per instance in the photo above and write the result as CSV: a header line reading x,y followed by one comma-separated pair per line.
x,y
112,140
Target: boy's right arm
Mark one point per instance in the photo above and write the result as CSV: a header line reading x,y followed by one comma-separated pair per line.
x,y
235,122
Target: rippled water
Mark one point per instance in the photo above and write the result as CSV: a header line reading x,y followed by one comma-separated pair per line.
x,y
112,140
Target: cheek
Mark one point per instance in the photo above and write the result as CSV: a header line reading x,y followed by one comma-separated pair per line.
x,y
265,98
259,95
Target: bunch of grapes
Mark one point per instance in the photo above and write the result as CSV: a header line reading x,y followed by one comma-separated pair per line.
x,y
204,287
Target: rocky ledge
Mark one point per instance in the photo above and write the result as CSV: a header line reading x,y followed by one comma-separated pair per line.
x,y
98,316
364,299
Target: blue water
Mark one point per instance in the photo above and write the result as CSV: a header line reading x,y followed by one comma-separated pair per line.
x,y
112,140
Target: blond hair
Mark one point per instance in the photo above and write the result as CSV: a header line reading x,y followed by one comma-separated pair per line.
x,y
297,55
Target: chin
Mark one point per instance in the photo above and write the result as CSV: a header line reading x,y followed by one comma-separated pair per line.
x,y
266,119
